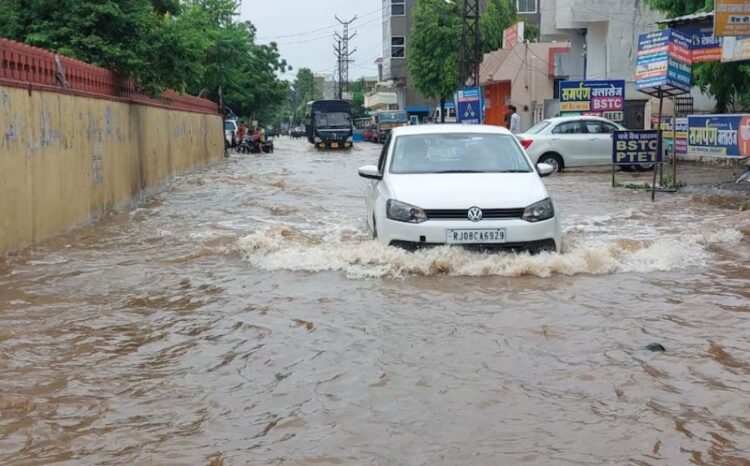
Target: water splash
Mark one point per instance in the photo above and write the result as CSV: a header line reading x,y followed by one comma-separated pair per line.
x,y
285,248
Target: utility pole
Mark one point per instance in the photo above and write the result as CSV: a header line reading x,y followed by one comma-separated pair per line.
x,y
339,69
344,55
471,45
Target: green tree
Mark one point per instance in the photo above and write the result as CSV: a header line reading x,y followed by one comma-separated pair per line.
x,y
194,46
531,32
728,83
304,91
432,55
358,89
499,16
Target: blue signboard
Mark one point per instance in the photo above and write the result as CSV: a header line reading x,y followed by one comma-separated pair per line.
x,y
469,102
664,60
653,59
599,98
719,135
704,45
636,147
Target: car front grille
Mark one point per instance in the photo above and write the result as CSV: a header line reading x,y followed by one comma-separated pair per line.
x,y
463,214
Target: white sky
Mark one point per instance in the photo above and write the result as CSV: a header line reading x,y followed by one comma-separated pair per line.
x,y
304,30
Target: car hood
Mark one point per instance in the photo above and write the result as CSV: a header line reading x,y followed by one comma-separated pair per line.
x,y
465,190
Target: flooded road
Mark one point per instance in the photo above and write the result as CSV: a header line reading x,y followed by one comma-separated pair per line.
x,y
242,316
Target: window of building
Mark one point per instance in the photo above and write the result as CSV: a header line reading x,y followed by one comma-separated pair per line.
x,y
526,6
398,47
398,7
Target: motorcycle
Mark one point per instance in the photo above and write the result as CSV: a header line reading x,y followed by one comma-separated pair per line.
x,y
251,145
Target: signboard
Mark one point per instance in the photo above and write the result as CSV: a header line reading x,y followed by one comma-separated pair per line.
x,y
719,135
681,136
513,35
704,45
664,61
599,98
667,132
653,59
636,147
469,102
735,49
732,18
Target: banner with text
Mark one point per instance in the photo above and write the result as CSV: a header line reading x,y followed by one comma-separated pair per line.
x,y
636,147
735,49
719,135
664,61
732,18
469,106
598,98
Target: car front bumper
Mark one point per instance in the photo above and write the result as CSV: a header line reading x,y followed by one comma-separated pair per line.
x,y
519,234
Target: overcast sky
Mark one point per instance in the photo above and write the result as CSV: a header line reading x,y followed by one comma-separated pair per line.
x,y
304,31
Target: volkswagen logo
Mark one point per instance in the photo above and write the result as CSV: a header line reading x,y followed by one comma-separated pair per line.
x,y
475,214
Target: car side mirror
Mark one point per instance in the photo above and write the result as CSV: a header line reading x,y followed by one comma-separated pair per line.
x,y
545,169
370,172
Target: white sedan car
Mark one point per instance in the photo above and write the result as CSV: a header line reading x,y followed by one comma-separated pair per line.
x,y
576,141
459,184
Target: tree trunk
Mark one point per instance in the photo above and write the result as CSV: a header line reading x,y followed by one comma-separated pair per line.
x,y
442,110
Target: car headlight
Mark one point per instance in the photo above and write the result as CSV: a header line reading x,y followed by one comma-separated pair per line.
x,y
403,212
542,210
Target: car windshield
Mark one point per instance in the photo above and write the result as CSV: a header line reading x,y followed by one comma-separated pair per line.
x,y
333,120
539,127
229,126
458,153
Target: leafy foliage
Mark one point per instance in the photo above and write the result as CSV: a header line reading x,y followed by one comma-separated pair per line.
x,y
499,16
728,83
432,57
194,46
358,90
303,91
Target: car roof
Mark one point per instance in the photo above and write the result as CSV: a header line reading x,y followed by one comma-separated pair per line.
x,y
448,128
563,119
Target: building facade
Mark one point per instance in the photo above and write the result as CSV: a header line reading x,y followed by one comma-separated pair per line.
x,y
397,26
603,36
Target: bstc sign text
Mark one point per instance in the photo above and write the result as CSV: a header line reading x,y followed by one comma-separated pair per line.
x,y
636,147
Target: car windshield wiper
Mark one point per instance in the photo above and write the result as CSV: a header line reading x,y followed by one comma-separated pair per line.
x,y
514,171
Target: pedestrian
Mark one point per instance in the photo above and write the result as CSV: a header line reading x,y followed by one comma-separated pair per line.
x,y
241,131
515,120
508,113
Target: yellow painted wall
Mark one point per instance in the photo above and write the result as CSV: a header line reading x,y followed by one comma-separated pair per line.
x,y
65,159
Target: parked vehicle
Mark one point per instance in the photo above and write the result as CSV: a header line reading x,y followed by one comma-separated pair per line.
x,y
329,124
370,132
386,121
230,133
575,141
297,132
458,184
450,114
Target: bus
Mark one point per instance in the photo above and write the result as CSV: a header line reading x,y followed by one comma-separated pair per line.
x,y
328,124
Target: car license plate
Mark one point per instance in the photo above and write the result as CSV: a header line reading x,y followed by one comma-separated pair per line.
x,y
334,145
475,236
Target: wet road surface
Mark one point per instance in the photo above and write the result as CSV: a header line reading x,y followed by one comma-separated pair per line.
x,y
242,316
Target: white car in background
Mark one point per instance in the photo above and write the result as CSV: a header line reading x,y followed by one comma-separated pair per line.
x,y
459,184
576,141
230,133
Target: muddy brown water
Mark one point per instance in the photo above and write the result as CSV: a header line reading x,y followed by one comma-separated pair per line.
x,y
242,316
